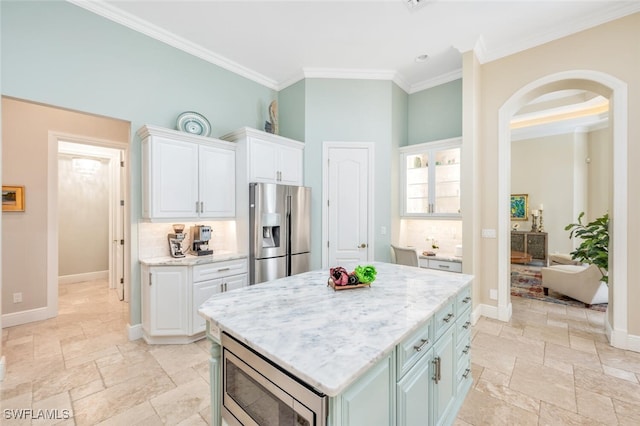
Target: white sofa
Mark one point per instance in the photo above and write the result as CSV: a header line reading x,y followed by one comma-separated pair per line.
x,y
580,282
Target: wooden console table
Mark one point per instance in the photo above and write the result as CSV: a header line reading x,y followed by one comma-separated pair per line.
x,y
533,244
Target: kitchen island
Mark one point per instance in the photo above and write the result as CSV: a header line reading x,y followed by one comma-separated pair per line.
x,y
394,353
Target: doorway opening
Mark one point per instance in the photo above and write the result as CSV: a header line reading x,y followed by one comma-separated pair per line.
x,y
90,215
616,92
109,159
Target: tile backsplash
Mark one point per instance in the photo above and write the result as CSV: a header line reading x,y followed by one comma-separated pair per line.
x,y
419,232
153,237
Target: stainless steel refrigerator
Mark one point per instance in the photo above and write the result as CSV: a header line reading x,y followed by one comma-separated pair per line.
x,y
280,231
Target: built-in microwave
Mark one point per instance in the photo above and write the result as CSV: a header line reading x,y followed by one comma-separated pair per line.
x,y
256,392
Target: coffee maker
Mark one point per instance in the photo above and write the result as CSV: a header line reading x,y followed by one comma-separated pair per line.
x,y
175,241
200,236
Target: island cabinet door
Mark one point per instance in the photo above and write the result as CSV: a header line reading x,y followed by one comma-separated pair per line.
x,y
444,382
414,394
368,402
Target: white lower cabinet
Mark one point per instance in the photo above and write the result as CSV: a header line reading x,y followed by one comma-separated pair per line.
x,y
172,295
164,301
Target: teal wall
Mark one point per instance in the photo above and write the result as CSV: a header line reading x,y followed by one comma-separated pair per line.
x,y
350,111
435,113
56,53
59,54
291,108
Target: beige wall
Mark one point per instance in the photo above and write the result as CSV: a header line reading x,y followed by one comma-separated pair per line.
x,y
25,138
83,218
600,172
611,48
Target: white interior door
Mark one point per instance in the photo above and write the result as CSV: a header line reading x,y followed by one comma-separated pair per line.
x,y
348,193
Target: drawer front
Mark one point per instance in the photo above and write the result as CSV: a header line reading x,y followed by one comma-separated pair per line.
x,y
444,319
413,348
463,373
463,301
443,265
463,346
463,325
215,270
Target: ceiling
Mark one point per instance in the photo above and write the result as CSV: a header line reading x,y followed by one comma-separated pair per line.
x,y
277,43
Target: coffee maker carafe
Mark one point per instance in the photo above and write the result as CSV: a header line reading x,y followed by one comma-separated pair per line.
x,y
175,241
200,236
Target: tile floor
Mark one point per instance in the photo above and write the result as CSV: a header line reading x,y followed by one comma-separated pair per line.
x,y
550,365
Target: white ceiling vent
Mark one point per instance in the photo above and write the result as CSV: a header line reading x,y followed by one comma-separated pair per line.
x,y
416,4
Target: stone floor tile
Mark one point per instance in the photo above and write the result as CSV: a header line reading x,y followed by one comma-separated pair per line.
x,y
57,408
64,380
495,377
595,406
627,410
480,408
182,402
547,333
582,344
511,397
193,420
488,358
517,346
544,384
621,374
605,385
135,415
489,326
552,415
572,356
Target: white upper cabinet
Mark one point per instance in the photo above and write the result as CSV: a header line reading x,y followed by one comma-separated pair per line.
x,y
431,179
186,176
270,158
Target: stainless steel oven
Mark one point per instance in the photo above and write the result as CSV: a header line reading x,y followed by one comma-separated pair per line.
x,y
258,392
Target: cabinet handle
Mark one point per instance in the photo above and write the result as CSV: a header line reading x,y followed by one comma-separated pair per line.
x,y
444,266
418,348
466,325
448,317
466,373
437,375
201,206
466,299
221,287
223,269
225,286
197,207
466,349
150,278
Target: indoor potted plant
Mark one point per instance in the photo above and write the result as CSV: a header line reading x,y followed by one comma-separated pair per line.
x,y
594,248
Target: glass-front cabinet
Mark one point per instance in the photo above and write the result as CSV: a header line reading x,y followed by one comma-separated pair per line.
x,y
431,178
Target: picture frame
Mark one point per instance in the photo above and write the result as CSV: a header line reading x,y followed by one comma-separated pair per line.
x,y
12,198
519,207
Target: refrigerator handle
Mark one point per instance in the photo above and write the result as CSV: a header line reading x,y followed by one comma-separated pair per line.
x,y
288,242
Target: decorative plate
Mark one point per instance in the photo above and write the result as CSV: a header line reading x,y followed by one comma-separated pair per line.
x,y
194,123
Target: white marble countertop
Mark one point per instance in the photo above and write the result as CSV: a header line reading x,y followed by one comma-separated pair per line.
x,y
329,338
191,260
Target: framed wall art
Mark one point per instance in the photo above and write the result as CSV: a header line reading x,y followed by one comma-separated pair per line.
x,y
12,198
519,207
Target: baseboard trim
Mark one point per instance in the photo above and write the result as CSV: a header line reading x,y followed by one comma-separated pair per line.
x,y
622,340
87,276
493,312
23,317
3,367
134,331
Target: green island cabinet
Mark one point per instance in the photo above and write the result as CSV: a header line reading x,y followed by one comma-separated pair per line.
x,y
424,381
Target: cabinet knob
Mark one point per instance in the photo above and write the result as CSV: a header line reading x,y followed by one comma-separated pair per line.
x,y
363,245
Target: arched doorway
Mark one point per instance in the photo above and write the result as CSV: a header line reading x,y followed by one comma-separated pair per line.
x,y
616,91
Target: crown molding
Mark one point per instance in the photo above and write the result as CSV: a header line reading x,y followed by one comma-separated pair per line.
x,y
436,81
541,37
128,20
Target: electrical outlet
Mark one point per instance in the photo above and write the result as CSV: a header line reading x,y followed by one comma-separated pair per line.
x,y
17,297
493,294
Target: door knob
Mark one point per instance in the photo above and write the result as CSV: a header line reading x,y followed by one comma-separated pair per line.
x,y
363,245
